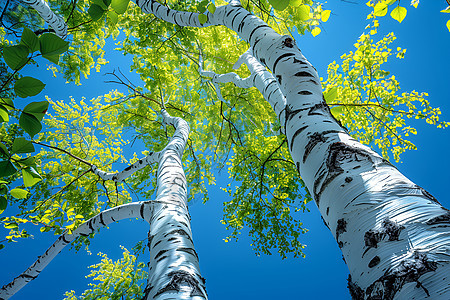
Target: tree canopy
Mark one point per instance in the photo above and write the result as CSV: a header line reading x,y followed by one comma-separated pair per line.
x,y
45,175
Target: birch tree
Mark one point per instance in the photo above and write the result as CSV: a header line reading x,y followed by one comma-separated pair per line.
x,y
173,267
331,163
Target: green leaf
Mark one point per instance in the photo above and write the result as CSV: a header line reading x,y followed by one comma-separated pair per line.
x,y
28,86
331,94
337,110
30,177
50,44
6,168
96,12
113,16
202,18
37,109
296,3
3,114
399,13
279,4
21,145
15,56
4,151
448,25
3,204
201,8
303,12
7,103
3,189
447,10
30,124
29,161
120,6
380,9
102,3
2,246
212,8
53,58
19,193
30,39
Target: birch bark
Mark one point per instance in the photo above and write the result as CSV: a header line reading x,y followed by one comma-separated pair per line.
x,y
393,234
173,269
56,22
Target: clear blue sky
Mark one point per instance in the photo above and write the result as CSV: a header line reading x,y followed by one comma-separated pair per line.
x,y
232,270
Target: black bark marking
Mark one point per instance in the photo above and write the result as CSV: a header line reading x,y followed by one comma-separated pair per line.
x,y
392,229
300,130
241,25
356,292
191,251
161,258
280,58
328,210
101,220
313,140
304,93
288,42
374,262
161,252
157,243
303,74
371,239
442,219
313,81
279,79
298,167
254,29
263,61
179,232
428,195
338,153
348,179
297,61
64,239
389,229
319,109
409,270
127,168
141,211
341,227
179,278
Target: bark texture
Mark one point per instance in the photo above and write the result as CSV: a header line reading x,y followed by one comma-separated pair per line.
x,y
393,234
174,271
56,22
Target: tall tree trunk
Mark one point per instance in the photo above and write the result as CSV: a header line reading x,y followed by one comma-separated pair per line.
x,y
393,234
173,269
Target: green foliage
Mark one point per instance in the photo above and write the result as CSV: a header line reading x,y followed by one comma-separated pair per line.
x,y
122,279
366,98
267,196
15,56
21,145
28,86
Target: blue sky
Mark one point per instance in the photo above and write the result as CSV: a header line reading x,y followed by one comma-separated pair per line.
x,y
232,270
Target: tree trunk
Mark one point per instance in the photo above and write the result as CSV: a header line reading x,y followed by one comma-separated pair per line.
x,y
393,234
173,267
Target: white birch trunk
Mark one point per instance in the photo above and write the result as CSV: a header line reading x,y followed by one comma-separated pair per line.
x,y
174,271
393,234
55,22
